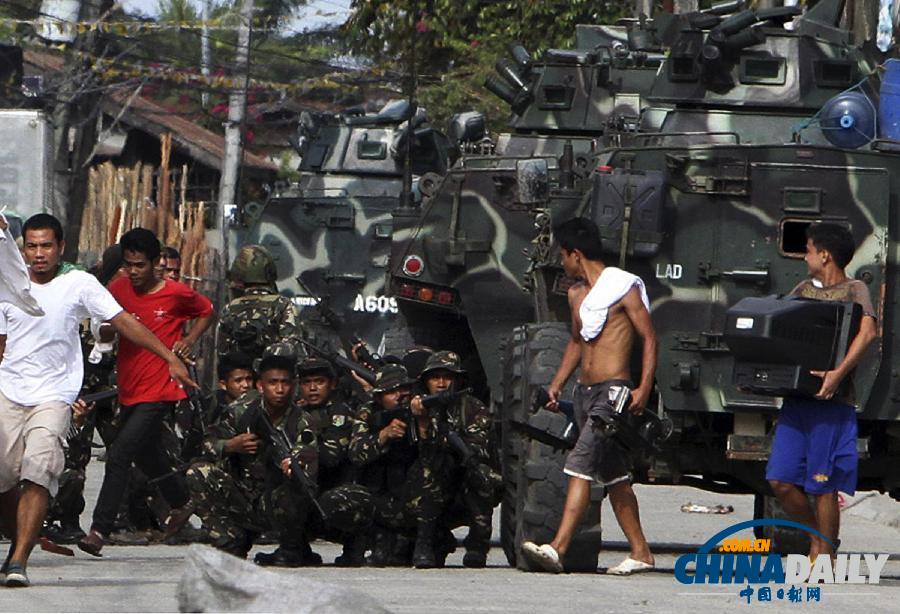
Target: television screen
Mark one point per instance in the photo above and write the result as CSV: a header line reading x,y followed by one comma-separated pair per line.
x,y
776,342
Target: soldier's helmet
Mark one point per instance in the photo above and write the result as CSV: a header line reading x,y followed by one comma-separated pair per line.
x,y
390,377
316,366
443,361
281,353
253,265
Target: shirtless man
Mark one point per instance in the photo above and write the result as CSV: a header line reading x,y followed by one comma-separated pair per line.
x,y
603,334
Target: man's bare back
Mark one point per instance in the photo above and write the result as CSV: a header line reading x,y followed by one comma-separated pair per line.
x,y
608,356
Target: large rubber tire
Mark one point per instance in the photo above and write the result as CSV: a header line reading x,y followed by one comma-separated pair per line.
x,y
533,473
784,540
512,407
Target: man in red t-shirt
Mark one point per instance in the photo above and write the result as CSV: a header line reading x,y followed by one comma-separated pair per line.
x,y
146,391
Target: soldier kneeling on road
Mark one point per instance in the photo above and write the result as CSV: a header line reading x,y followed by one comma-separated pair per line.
x,y
260,476
332,420
386,446
461,425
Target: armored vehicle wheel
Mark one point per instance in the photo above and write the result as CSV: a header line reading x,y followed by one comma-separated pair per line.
x,y
784,540
512,407
535,486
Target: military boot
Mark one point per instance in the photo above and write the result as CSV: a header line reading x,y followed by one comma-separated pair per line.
x,y
444,546
283,556
423,552
478,543
402,553
353,554
382,548
237,546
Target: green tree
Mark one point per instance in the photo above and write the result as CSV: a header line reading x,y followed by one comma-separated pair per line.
x,y
455,43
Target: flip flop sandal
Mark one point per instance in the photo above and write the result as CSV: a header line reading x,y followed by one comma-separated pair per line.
x,y
629,567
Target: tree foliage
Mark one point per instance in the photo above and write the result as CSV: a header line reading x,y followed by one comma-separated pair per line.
x,y
454,43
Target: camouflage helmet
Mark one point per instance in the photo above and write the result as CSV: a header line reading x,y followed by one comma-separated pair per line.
x,y
315,365
253,265
390,377
443,361
285,352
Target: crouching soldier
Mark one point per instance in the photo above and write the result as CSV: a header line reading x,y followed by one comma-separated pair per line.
x,y
344,521
461,426
235,378
250,486
386,446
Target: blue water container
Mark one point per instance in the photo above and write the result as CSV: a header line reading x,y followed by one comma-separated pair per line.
x,y
848,120
889,105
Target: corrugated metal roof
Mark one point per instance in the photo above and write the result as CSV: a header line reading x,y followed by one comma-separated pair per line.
x,y
198,142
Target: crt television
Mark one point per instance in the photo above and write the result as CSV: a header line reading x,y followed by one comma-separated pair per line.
x,y
776,342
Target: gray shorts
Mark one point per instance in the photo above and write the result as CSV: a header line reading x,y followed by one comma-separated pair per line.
x,y
596,458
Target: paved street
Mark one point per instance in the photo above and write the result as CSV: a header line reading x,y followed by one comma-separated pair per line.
x,y
146,578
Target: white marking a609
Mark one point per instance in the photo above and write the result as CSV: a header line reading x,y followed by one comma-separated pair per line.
x,y
375,304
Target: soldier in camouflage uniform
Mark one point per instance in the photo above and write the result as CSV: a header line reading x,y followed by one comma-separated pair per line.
x,y
243,490
346,521
62,522
407,498
236,377
260,316
471,484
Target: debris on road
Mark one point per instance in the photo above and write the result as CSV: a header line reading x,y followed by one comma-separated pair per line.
x,y
695,508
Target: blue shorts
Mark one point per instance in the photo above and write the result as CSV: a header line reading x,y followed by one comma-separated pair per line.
x,y
815,446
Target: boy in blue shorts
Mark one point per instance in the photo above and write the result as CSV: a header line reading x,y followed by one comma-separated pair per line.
x,y
814,449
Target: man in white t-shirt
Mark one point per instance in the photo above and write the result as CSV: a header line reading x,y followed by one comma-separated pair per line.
x,y
40,377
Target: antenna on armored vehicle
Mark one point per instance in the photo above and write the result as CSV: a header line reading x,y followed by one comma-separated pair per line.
x,y
407,198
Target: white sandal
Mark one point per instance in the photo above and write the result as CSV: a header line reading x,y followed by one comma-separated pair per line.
x,y
544,556
629,567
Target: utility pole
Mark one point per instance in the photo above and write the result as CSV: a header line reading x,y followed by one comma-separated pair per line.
x,y
644,7
407,198
237,103
686,6
204,50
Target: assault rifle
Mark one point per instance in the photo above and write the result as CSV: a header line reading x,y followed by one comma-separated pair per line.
x,y
383,417
541,425
467,458
367,374
94,397
193,433
432,401
281,449
103,395
635,433
443,399
336,323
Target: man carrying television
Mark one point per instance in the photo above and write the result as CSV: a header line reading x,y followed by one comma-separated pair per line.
x,y
814,449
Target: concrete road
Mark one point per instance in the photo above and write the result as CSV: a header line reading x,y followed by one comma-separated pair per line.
x,y
146,578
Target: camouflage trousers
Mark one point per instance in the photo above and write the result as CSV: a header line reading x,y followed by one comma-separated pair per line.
x,y
473,492
235,512
68,504
348,508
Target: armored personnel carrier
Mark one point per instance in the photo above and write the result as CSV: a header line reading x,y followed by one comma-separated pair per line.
x,y
332,228
757,124
464,261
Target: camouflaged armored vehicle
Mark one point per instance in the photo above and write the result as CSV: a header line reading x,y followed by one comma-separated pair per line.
x,y
753,129
333,226
463,260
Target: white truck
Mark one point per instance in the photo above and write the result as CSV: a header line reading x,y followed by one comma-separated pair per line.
x,y
26,157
